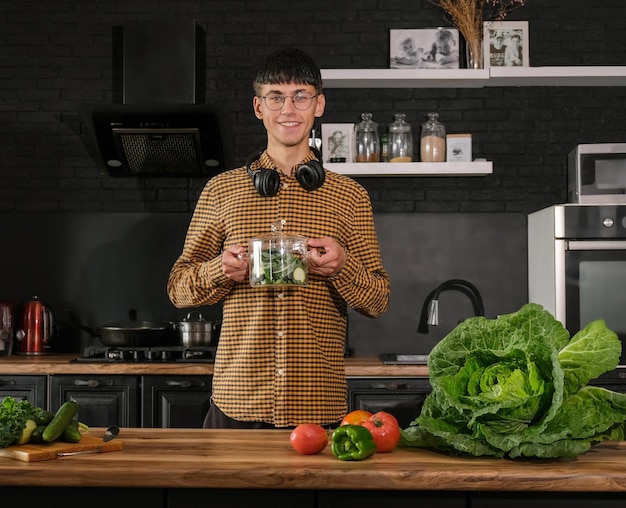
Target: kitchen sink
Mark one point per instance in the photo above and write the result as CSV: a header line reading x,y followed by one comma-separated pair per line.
x,y
401,359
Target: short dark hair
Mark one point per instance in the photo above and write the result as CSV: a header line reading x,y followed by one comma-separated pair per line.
x,y
289,65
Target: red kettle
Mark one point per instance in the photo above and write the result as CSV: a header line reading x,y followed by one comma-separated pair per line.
x,y
35,327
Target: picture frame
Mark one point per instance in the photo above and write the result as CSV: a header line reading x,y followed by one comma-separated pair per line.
x,y
337,142
424,48
505,43
459,148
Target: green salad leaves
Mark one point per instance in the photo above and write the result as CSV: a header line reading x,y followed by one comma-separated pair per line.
x,y
280,266
517,386
13,416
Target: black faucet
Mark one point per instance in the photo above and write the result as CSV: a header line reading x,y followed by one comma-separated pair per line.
x,y
430,309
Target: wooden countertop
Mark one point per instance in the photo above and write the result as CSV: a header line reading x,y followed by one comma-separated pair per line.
x,y
174,458
64,364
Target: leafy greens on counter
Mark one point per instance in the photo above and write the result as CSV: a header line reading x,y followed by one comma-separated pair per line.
x,y
517,386
13,416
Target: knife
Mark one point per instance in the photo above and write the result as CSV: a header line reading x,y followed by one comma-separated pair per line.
x,y
111,433
81,452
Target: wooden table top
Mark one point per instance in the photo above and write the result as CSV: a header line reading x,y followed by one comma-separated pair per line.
x,y
66,364
173,458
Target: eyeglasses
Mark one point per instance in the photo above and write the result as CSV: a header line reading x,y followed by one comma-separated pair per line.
x,y
301,101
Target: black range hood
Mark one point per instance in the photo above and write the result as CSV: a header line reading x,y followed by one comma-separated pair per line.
x,y
160,129
159,140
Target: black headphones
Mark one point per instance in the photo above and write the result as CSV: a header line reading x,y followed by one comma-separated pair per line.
x,y
310,175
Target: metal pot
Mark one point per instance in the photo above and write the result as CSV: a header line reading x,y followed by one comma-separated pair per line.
x,y
194,331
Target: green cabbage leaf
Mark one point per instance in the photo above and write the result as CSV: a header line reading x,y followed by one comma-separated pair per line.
x,y
518,386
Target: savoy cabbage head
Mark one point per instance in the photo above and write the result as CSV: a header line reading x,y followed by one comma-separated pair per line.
x,y
518,386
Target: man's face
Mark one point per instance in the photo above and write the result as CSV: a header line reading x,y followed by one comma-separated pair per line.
x,y
288,126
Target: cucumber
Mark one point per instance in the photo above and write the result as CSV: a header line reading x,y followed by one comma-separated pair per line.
x,y
299,276
61,420
37,435
71,434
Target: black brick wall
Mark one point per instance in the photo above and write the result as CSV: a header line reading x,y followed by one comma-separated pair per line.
x,y
55,56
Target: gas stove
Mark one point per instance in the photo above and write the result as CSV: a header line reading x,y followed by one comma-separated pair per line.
x,y
154,354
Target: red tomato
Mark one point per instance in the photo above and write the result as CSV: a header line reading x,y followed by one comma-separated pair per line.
x,y
385,430
309,438
356,417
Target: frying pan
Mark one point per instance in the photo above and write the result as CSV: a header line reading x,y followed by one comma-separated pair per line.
x,y
133,333
136,334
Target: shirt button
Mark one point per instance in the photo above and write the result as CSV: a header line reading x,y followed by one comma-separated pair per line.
x,y
281,333
281,372
280,295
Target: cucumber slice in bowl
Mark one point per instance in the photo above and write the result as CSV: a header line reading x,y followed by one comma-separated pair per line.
x,y
299,275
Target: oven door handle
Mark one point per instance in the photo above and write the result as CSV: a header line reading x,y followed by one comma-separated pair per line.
x,y
596,245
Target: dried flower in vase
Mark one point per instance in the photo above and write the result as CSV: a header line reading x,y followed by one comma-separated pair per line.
x,y
468,16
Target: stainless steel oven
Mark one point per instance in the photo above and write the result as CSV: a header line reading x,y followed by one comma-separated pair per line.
x,y
577,265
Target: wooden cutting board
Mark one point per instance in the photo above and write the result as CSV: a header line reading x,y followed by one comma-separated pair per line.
x,y
34,452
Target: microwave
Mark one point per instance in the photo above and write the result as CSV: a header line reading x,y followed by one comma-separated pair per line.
x,y
597,173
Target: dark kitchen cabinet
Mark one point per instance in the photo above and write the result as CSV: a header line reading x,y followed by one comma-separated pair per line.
x,y
402,397
102,400
236,498
81,497
391,499
31,388
175,401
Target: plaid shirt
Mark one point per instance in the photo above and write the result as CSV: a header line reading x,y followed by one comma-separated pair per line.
x,y
280,357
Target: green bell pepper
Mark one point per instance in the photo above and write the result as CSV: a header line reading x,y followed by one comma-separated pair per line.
x,y
352,442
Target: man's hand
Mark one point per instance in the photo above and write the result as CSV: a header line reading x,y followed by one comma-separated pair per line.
x,y
235,263
326,256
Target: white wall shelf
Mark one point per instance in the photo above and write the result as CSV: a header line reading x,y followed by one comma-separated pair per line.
x,y
384,169
475,78
404,78
458,78
557,76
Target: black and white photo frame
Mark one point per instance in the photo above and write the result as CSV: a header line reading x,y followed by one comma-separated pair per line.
x,y
338,142
424,48
506,43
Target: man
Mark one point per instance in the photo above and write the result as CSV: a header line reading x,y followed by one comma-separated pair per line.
x,y
513,52
496,51
280,358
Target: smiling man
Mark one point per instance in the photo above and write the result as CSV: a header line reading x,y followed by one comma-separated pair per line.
x,y
280,357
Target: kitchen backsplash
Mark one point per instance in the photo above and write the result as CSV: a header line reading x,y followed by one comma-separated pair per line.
x,y
91,268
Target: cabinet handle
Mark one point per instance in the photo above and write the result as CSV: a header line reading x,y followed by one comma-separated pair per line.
x,y
5,382
389,386
184,384
91,383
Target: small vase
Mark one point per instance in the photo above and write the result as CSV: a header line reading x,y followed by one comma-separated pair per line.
x,y
475,54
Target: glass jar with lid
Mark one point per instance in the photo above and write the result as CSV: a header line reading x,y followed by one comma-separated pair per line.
x,y
400,140
367,142
433,140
